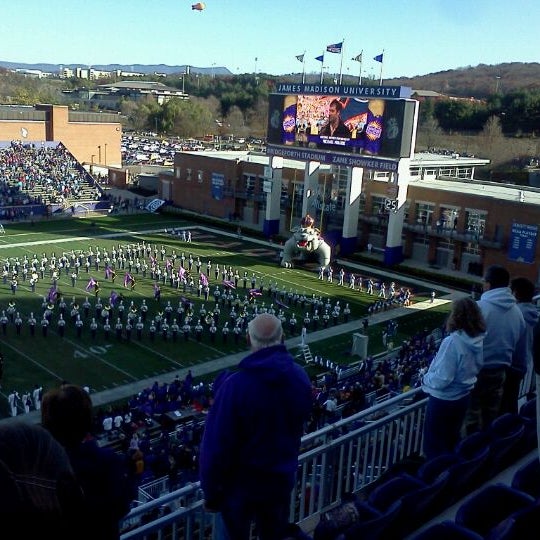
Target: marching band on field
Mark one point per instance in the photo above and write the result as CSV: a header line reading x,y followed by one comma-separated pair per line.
x,y
240,295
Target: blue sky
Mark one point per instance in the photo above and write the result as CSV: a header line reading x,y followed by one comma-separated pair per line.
x,y
417,36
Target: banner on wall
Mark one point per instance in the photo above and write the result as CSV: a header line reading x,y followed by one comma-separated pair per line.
x,y
218,181
155,204
523,240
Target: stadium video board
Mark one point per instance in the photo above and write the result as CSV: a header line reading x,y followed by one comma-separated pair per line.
x,y
317,126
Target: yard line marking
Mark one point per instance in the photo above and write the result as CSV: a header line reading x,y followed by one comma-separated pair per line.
x,y
153,351
30,359
99,357
209,347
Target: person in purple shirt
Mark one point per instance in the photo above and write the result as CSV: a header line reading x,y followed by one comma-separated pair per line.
x,y
249,452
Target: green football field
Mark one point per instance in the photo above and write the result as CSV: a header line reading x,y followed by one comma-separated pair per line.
x,y
104,363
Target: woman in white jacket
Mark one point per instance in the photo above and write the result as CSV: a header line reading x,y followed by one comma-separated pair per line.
x,y
451,377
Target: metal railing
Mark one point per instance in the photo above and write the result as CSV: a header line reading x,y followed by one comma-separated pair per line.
x,y
342,457
346,456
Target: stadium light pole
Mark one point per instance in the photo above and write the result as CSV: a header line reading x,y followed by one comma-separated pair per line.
x,y
105,153
99,153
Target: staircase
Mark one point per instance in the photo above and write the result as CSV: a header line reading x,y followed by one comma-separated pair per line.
x,y
305,353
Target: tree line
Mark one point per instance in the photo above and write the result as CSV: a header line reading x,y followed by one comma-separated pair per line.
x,y
238,104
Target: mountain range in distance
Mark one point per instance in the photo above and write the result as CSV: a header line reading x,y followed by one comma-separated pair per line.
x,y
471,81
134,68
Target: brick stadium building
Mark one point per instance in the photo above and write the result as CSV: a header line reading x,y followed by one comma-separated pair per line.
x,y
449,219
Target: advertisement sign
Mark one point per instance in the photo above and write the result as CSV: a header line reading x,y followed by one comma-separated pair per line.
x,y
523,242
218,181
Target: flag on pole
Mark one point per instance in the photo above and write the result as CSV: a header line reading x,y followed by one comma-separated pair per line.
x,y
51,297
320,58
229,284
358,58
91,283
128,278
255,292
379,58
335,48
112,299
300,58
203,278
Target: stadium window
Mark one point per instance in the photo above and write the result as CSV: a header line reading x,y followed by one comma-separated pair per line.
x,y
377,205
250,184
448,216
475,221
472,248
424,213
188,175
446,243
406,211
447,172
380,176
177,172
200,176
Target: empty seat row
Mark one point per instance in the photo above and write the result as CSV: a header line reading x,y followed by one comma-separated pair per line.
x,y
495,512
404,501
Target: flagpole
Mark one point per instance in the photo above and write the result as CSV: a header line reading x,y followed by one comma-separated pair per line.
x,y
322,66
341,61
358,58
304,67
382,60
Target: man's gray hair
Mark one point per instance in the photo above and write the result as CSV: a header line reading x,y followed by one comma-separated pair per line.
x,y
265,331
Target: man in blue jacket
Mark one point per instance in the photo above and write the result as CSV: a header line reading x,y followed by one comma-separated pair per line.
x,y
251,442
505,346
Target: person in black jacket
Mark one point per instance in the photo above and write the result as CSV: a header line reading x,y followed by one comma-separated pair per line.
x,y
39,494
536,362
335,127
66,412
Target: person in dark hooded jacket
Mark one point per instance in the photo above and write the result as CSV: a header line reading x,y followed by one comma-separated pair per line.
x,y
536,365
249,452
504,348
523,289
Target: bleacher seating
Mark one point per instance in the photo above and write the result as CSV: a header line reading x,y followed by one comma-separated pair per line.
x,y
43,174
527,478
447,530
505,434
491,505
